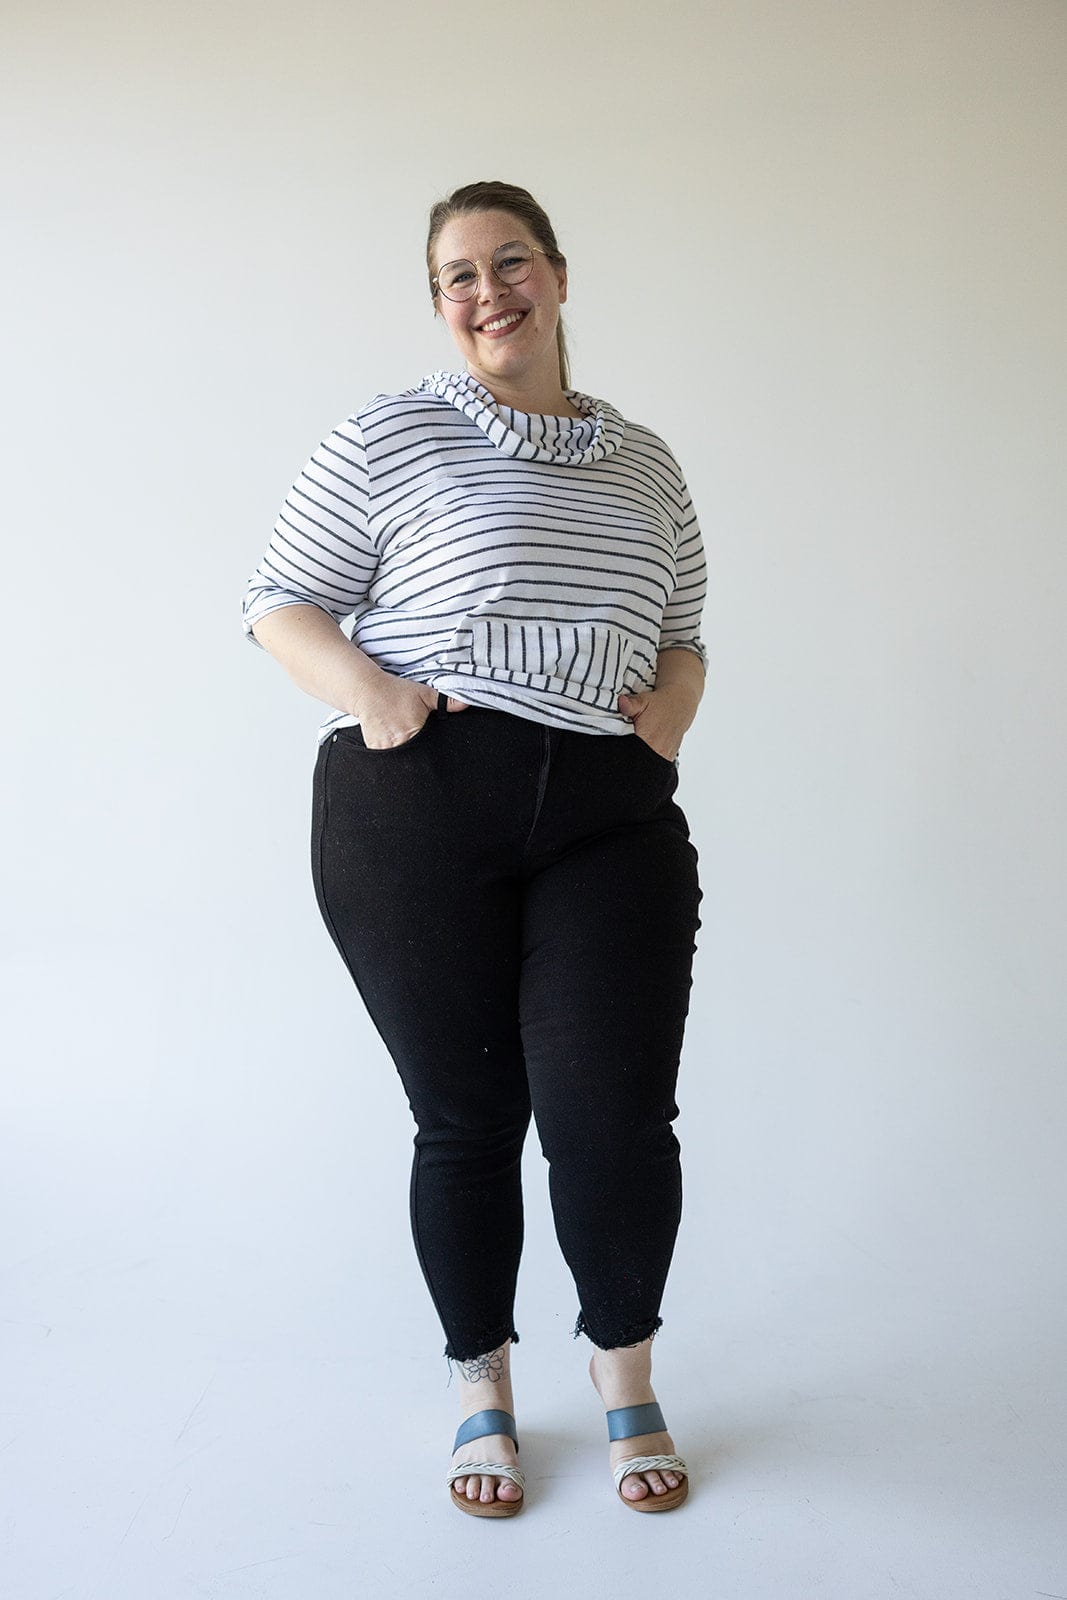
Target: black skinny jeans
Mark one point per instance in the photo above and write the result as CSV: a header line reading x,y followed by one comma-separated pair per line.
x,y
517,906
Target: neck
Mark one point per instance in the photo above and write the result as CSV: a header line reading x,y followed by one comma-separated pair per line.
x,y
539,397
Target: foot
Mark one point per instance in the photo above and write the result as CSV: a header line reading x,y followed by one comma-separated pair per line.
x,y
623,1377
486,1386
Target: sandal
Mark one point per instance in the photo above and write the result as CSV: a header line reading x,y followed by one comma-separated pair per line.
x,y
625,1422
479,1426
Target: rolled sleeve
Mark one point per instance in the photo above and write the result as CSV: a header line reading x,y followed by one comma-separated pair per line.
x,y
680,628
321,552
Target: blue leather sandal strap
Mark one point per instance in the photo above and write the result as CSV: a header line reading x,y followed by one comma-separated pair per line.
x,y
626,1421
486,1422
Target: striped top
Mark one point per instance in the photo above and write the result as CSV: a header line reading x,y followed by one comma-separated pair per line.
x,y
532,564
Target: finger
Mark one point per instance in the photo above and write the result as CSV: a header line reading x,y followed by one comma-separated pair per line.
x,y
394,737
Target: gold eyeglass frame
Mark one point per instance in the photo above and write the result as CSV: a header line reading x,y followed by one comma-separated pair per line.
x,y
477,265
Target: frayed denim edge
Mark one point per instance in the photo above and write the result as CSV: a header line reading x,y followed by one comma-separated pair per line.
x,y
581,1326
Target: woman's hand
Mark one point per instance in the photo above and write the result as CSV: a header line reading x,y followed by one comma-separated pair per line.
x,y
659,719
661,715
392,710
325,663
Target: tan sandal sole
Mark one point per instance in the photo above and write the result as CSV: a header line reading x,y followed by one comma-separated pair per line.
x,y
658,1502
486,1508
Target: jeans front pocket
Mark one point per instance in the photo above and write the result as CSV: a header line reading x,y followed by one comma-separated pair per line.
x,y
354,737
664,761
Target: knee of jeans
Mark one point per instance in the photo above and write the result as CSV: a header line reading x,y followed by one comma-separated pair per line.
x,y
617,1147
484,1124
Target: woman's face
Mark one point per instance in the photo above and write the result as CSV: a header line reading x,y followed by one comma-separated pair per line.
x,y
524,349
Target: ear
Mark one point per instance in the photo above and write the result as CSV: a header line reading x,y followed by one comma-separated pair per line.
x,y
561,279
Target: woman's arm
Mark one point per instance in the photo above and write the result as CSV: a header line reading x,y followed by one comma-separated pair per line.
x,y
318,657
323,662
318,568
662,715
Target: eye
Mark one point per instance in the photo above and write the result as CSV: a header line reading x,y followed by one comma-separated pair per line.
x,y
456,272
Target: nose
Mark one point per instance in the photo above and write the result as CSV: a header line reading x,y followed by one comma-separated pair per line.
x,y
489,285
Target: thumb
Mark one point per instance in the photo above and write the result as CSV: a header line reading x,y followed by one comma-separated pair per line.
x,y
632,702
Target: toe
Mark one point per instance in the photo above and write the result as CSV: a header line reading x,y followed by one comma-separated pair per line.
x,y
487,1486
634,1488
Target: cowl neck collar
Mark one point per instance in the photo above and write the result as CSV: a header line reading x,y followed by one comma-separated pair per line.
x,y
532,436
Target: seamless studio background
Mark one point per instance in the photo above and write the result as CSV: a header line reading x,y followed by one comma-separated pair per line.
x,y
821,249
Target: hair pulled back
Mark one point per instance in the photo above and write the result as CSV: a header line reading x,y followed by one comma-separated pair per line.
x,y
497,196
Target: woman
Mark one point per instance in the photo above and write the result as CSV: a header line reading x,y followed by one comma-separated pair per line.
x,y
510,885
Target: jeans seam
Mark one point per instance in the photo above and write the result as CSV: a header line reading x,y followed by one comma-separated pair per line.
x,y
417,1236
542,783
320,838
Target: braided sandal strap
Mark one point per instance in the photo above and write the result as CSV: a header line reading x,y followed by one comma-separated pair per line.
x,y
467,1468
649,1464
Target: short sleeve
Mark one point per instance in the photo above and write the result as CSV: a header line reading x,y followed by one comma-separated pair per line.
x,y
321,552
680,629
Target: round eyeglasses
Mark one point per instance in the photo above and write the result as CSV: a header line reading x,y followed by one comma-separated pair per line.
x,y
511,263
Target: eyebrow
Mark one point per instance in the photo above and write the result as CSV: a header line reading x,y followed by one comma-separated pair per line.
x,y
503,246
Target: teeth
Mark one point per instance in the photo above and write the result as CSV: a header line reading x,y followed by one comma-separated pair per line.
x,y
502,322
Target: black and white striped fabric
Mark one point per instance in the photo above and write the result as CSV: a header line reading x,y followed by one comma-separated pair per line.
x,y
534,564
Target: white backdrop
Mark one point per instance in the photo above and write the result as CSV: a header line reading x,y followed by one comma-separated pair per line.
x,y
822,249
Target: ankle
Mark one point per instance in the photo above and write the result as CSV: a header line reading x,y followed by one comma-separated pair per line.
x,y
623,1377
485,1381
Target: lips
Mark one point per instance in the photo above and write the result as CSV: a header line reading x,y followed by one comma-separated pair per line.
x,y
514,318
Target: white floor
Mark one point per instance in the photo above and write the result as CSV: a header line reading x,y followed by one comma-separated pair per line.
x,y
224,1377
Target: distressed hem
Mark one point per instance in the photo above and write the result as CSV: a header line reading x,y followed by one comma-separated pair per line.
x,y
452,1351
627,1343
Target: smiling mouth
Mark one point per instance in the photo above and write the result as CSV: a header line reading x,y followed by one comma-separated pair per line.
x,y
502,323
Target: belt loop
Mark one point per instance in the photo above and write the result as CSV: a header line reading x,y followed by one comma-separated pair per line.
x,y
442,703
